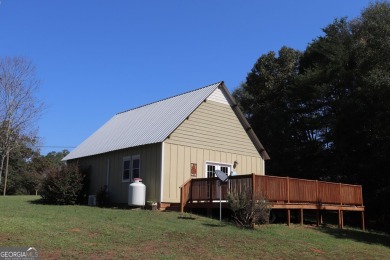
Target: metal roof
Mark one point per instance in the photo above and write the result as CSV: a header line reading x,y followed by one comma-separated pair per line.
x,y
148,124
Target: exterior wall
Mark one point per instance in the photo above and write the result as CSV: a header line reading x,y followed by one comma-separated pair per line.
x,y
111,164
212,133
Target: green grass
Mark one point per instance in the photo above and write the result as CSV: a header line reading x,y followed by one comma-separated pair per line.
x,y
92,232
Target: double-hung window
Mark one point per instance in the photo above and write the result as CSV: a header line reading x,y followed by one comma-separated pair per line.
x,y
131,168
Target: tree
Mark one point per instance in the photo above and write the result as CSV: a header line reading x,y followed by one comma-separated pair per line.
x,y
331,118
19,107
266,99
20,177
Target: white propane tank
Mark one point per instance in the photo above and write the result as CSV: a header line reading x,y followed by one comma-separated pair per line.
x,y
137,193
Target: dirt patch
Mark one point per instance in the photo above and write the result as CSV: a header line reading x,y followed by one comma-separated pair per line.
x,y
75,230
93,235
50,254
3,238
90,244
318,251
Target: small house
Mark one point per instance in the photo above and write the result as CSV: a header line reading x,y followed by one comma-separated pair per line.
x,y
168,142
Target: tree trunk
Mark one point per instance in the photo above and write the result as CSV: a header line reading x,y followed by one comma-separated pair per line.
x,y
1,167
6,175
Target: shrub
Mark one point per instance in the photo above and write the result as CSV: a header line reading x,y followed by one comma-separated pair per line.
x,y
246,212
63,186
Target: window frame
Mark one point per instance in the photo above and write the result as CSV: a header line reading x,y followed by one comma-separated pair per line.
x,y
125,159
133,158
217,166
131,168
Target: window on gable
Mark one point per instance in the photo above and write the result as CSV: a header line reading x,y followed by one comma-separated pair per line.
x,y
131,168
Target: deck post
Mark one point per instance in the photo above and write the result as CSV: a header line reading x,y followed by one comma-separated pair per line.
x,y
253,188
363,224
318,217
338,215
181,200
288,217
301,216
341,220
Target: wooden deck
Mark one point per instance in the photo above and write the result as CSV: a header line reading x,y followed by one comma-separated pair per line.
x,y
282,192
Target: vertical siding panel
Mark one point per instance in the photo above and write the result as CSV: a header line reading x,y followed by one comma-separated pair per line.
x,y
244,165
207,156
167,170
187,163
217,156
249,164
229,158
173,174
193,154
223,157
157,173
239,169
212,156
180,169
200,161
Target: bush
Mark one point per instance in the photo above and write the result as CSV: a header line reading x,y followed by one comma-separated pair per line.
x,y
63,186
247,213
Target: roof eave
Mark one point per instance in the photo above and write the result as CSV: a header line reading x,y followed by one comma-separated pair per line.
x,y
260,148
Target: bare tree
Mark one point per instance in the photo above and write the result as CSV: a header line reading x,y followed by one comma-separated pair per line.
x,y
19,107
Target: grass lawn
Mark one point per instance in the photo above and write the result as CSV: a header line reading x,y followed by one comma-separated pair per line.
x,y
92,232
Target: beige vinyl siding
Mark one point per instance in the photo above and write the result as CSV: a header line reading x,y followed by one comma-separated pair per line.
x,y
150,171
214,126
212,133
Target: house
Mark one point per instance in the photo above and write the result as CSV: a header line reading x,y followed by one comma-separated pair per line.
x,y
168,142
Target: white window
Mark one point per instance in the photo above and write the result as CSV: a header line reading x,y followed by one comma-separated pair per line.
x,y
211,167
131,168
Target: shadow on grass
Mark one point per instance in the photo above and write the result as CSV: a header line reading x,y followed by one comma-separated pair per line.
x,y
40,201
358,235
122,206
186,217
214,225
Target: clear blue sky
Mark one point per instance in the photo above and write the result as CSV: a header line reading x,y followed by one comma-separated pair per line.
x,y
96,58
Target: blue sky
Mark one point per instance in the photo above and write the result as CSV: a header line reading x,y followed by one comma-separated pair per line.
x,y
97,58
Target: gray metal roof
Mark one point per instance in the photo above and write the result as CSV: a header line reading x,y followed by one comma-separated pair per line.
x,y
147,124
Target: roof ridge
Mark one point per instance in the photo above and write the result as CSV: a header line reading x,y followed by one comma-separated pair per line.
x,y
219,82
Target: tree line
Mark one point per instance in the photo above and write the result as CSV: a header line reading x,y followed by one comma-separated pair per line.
x,y
324,113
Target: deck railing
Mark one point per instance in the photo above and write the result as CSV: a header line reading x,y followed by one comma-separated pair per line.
x,y
274,189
